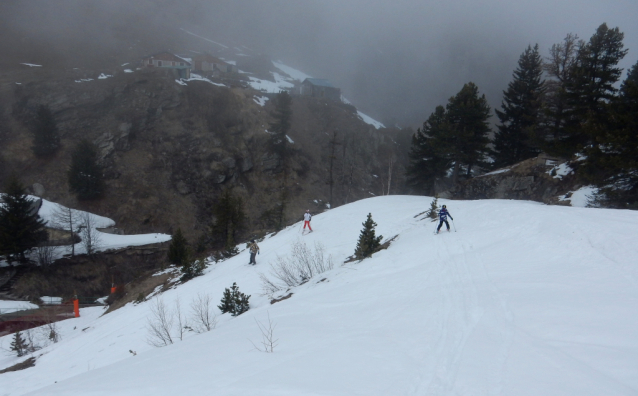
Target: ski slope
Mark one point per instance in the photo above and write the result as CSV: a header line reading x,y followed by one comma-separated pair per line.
x,y
525,299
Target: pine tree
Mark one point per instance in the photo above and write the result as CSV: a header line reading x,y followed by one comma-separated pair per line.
x,y
280,127
19,345
229,220
467,116
234,301
434,209
614,164
86,175
557,114
591,88
21,228
428,159
368,242
519,119
46,139
178,253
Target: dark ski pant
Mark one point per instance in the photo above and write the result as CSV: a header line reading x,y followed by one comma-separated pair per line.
x,y
252,258
441,223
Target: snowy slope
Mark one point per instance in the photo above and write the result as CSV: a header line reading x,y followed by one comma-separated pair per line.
x,y
524,299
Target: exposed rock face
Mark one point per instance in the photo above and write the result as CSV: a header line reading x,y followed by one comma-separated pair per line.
x,y
169,150
528,180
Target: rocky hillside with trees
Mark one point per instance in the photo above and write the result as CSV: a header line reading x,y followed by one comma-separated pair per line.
x,y
157,155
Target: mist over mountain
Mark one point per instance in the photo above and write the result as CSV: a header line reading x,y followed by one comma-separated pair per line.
x,y
394,61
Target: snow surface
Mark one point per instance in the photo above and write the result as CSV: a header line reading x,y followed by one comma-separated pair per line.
x,y
561,170
580,197
15,306
496,172
294,73
525,299
260,100
369,120
128,71
281,83
31,64
203,38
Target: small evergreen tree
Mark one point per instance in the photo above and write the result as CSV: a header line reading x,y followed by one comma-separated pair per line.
x,y
434,209
368,242
19,345
46,140
86,177
192,268
178,253
234,301
21,228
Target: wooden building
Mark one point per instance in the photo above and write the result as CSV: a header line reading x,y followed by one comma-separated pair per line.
x,y
168,60
209,64
320,88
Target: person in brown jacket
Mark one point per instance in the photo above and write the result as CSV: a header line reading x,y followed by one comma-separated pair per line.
x,y
254,250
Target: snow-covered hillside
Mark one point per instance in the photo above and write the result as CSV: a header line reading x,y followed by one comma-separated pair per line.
x,y
524,299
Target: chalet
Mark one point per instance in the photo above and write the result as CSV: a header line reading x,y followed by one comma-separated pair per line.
x,y
211,64
168,60
320,88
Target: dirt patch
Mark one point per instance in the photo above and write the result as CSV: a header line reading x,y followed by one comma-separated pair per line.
x,y
30,362
139,291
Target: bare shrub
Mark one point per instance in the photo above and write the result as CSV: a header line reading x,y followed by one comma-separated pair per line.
x,y
160,324
45,255
66,219
268,340
299,267
182,322
91,240
203,316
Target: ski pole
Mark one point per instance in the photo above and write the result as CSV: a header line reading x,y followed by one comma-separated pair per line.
x,y
453,225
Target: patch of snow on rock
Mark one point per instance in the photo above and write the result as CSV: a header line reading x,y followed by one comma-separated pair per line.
x,y
369,120
260,100
561,170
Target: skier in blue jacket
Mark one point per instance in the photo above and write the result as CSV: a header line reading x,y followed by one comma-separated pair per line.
x,y
443,214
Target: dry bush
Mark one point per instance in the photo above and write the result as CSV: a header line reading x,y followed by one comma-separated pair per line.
x,y
298,268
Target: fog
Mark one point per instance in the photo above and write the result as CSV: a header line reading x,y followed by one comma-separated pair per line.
x,y
394,60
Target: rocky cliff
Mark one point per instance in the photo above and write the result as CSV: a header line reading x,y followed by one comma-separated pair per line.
x,y
543,179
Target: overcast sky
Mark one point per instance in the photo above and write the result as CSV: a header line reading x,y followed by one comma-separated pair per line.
x,y
395,60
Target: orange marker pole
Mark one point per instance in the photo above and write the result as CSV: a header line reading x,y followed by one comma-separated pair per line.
x,y
76,307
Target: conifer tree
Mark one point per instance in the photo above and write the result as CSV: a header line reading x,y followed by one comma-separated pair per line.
x,y
613,163
281,126
368,242
46,139
429,161
519,118
434,209
86,177
467,141
234,301
557,114
21,228
19,345
178,253
591,89
229,220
